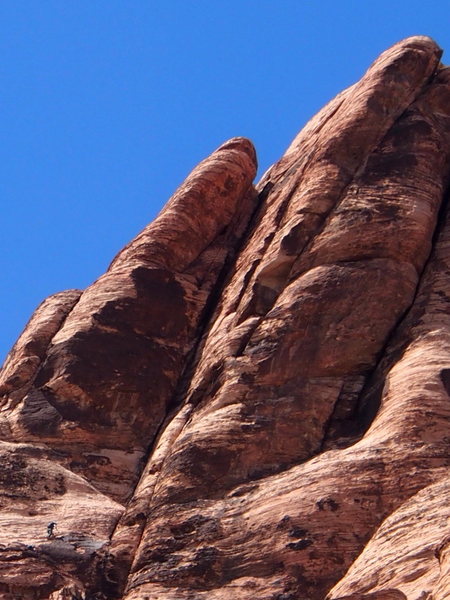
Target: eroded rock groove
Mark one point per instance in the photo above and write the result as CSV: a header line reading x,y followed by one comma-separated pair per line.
x,y
253,401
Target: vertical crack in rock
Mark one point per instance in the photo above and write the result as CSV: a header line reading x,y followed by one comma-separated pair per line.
x,y
414,412
198,422
358,405
111,369
365,407
117,567
118,560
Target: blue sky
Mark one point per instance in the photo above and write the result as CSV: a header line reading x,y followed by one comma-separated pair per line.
x,y
106,106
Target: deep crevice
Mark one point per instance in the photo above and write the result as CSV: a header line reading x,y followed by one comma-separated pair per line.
x,y
191,361
368,402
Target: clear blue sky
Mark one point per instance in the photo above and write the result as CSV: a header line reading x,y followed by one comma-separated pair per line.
x,y
106,106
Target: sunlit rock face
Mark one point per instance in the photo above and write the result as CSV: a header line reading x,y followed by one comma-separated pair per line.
x,y
253,401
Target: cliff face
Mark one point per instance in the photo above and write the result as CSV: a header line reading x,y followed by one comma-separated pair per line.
x,y
253,401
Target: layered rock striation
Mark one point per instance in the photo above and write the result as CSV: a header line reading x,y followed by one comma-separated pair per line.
x,y
253,401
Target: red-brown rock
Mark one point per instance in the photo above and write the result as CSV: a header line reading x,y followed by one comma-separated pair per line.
x,y
253,401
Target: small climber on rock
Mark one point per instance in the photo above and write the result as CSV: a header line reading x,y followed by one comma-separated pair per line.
x,y
50,530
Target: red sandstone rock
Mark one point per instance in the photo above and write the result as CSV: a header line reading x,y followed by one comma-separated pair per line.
x,y
111,368
253,401
24,360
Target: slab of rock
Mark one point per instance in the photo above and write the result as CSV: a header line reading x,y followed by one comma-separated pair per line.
x,y
103,385
253,401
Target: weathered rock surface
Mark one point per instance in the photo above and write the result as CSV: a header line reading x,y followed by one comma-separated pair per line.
x,y
253,401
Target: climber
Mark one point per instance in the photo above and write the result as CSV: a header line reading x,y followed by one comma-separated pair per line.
x,y
50,530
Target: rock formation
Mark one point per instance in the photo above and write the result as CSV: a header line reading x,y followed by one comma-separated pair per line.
x,y
253,401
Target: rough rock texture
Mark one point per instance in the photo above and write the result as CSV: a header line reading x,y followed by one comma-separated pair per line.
x,y
254,400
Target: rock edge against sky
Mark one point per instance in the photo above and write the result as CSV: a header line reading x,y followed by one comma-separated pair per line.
x,y
253,400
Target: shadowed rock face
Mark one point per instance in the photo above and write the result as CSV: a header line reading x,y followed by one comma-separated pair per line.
x,y
253,401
